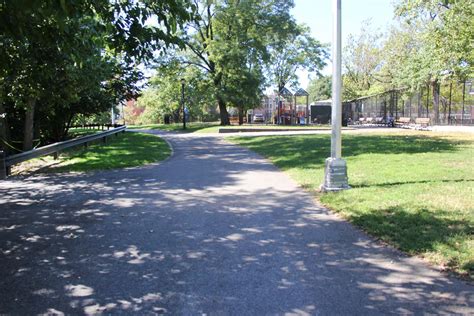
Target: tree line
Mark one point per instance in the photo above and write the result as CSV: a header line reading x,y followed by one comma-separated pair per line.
x,y
60,59
430,44
67,60
234,49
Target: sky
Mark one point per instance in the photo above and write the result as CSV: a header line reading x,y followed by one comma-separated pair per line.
x,y
317,14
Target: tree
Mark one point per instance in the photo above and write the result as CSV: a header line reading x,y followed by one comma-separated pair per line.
x,y
163,96
229,40
320,88
298,50
446,32
62,58
362,63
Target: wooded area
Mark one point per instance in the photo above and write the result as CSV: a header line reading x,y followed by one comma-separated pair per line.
x,y
62,58
65,61
429,47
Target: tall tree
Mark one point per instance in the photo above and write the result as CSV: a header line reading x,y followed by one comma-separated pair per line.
x,y
362,62
296,51
61,54
446,33
226,37
320,88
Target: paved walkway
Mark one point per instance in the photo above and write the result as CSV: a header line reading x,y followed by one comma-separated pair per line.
x,y
215,229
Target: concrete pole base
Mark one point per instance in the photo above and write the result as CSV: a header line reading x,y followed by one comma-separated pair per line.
x,y
335,176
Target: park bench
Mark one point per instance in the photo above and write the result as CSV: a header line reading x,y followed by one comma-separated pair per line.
x,y
235,120
369,120
403,122
379,121
422,123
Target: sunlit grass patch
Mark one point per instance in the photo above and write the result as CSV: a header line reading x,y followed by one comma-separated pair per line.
x,y
413,190
124,150
191,127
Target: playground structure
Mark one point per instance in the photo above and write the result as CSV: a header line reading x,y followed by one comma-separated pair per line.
x,y
455,107
288,111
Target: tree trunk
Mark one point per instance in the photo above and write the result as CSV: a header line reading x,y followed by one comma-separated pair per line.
x,y
223,112
29,123
435,85
241,115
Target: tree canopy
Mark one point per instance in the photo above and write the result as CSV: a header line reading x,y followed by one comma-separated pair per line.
x,y
241,46
63,58
430,44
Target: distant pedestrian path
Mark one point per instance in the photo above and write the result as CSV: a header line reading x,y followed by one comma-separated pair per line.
x,y
215,229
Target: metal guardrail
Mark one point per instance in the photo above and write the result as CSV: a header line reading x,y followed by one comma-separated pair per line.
x,y
7,162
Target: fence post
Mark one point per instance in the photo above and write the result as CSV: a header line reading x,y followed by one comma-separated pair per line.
x,y
3,166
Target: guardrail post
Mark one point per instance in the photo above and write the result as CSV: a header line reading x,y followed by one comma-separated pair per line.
x,y
3,166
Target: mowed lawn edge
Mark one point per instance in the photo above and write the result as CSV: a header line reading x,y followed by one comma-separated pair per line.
x,y
413,190
213,128
129,149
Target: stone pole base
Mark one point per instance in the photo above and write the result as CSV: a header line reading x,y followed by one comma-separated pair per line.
x,y
335,176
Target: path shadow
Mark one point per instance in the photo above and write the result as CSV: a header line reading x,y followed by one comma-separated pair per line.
x,y
421,231
194,235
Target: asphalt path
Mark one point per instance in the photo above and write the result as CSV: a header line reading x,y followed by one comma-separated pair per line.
x,y
214,230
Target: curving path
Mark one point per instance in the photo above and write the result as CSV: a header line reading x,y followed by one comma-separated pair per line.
x,y
215,229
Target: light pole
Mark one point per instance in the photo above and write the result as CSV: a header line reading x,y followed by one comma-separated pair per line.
x,y
123,113
183,81
335,177
112,116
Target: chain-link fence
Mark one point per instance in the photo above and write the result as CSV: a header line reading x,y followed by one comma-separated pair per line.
x,y
455,105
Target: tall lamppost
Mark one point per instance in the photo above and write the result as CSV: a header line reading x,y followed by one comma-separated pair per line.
x,y
335,177
183,81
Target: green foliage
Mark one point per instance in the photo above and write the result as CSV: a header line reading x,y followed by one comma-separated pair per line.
x,y
413,191
297,50
431,44
60,59
320,89
362,62
448,27
163,96
233,43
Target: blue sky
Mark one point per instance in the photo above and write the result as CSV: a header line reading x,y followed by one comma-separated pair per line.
x,y
317,14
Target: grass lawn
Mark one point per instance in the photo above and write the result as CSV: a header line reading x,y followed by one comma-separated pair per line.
x,y
126,150
79,132
413,190
192,127
196,127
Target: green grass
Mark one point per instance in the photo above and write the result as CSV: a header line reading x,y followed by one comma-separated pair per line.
x,y
125,150
196,127
79,132
193,127
412,190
